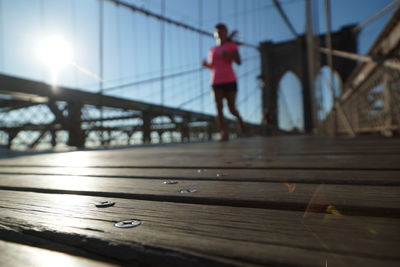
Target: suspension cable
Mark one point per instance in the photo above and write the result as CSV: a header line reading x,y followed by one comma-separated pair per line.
x,y
171,21
190,84
1,36
165,77
153,79
285,18
390,63
193,82
118,23
101,67
235,15
244,99
286,107
328,41
219,3
377,15
207,90
193,98
336,105
201,52
257,108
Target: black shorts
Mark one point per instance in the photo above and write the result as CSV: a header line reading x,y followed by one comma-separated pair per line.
x,y
226,87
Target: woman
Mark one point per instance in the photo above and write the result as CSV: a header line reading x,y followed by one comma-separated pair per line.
x,y
223,78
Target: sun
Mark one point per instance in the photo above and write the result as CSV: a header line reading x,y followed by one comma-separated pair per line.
x,y
54,52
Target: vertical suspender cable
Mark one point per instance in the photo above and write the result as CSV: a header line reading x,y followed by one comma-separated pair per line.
x,y
245,37
74,18
219,11
119,45
236,14
285,17
328,41
162,46
317,66
133,49
149,56
253,19
201,54
286,107
162,43
258,22
336,105
311,60
1,37
101,32
329,58
41,35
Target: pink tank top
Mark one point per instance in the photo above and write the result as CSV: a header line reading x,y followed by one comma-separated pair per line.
x,y
221,68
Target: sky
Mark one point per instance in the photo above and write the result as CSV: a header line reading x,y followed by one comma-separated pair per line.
x,y
134,50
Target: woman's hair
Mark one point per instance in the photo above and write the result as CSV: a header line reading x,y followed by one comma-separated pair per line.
x,y
231,35
221,26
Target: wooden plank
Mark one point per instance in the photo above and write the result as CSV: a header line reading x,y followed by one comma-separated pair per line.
x,y
181,159
244,153
292,145
356,200
371,177
181,234
17,255
297,222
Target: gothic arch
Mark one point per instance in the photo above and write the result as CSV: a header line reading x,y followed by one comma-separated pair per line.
x,y
289,92
277,59
323,94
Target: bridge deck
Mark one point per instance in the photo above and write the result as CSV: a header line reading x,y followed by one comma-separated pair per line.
x,y
290,201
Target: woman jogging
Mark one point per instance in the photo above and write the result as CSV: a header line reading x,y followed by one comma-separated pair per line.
x,y
223,78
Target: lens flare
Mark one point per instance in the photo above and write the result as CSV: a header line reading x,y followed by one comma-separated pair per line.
x,y
55,52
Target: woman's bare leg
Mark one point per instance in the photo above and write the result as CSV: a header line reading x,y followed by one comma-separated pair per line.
x,y
219,97
231,98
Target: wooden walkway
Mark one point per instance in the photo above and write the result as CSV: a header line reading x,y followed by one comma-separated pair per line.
x,y
282,201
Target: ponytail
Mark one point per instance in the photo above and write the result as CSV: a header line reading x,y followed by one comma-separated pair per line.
x,y
231,36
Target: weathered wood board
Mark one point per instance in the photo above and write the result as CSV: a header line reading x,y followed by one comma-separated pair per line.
x,y
287,201
242,154
15,255
362,177
352,199
210,233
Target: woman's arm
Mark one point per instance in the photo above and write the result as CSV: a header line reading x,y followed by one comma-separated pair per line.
x,y
235,56
204,63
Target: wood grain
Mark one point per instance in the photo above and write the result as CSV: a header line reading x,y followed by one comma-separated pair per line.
x,y
209,234
281,201
244,153
354,177
357,200
15,255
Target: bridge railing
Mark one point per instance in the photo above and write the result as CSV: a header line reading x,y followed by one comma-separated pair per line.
x,y
36,115
372,107
371,96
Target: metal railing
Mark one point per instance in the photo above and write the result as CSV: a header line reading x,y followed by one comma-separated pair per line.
x,y
371,96
371,107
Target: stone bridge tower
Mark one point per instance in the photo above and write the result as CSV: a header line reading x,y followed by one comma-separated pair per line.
x,y
279,58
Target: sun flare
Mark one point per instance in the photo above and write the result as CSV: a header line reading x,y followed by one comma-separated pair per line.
x,y
55,52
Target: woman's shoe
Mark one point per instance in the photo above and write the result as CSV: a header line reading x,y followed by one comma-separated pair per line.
x,y
224,137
